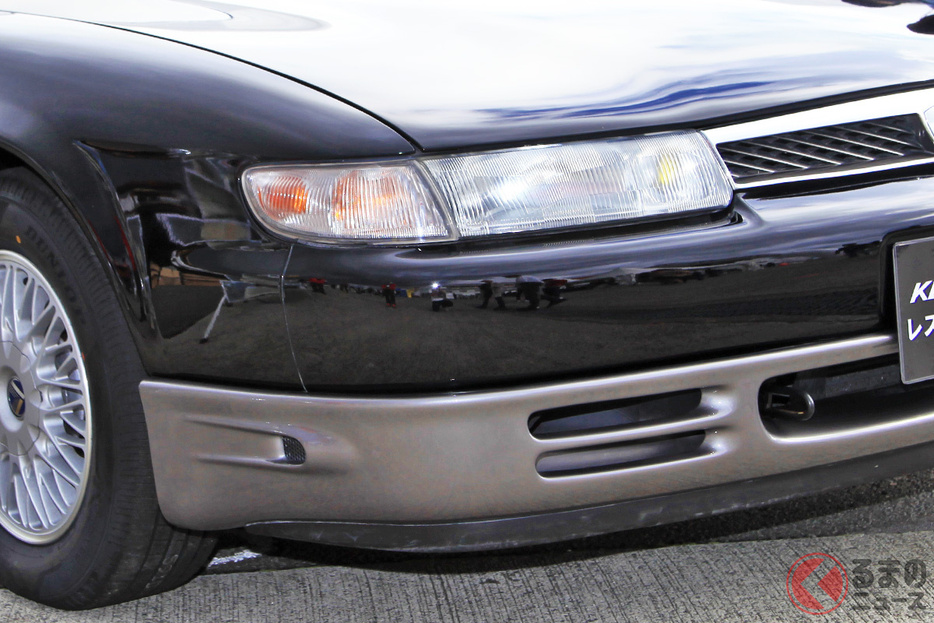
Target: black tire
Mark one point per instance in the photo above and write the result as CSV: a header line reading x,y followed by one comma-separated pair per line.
x,y
117,546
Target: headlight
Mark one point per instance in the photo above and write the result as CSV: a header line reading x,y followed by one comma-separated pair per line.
x,y
508,191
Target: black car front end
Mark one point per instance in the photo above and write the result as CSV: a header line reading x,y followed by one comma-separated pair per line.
x,y
467,391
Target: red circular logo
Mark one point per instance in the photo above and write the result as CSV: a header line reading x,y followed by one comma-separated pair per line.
x,y
817,583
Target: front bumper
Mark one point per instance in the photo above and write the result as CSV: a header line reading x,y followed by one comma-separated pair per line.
x,y
472,470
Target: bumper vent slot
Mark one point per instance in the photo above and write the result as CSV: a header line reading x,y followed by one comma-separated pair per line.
x,y
602,417
890,141
851,397
609,457
293,450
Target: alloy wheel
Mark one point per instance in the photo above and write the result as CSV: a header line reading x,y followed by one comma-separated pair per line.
x,y
45,419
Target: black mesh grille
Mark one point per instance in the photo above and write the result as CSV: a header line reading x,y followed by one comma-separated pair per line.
x,y
848,146
294,451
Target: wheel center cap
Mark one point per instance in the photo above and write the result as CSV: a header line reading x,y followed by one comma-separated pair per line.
x,y
16,395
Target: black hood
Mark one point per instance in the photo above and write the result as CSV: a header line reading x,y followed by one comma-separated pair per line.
x,y
454,75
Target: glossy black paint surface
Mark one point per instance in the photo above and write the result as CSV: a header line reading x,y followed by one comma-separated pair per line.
x,y
145,139
452,75
782,270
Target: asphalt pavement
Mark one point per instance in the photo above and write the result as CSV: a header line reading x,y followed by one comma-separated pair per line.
x,y
877,564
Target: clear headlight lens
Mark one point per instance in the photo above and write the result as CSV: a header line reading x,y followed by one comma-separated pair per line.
x,y
580,183
508,191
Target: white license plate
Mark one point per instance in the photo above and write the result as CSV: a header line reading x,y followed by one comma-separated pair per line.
x,y
914,307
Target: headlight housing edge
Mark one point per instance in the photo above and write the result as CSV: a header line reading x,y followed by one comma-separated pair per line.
x,y
431,198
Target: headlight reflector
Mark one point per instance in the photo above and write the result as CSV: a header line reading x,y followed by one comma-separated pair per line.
x,y
496,192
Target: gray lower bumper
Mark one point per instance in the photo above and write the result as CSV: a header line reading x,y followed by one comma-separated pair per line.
x,y
640,513
226,458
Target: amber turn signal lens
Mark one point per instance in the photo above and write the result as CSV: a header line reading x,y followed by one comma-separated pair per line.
x,y
383,203
360,198
283,196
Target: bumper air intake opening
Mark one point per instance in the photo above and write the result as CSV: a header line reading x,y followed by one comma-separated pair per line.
x,y
625,455
615,415
293,451
842,398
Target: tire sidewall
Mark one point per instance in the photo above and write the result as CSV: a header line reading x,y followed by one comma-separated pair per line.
x,y
58,568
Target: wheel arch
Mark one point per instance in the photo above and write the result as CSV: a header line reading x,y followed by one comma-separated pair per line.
x,y
97,226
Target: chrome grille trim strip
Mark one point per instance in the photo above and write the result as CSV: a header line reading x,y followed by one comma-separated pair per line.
x,y
748,166
792,152
880,137
898,104
843,140
761,157
827,174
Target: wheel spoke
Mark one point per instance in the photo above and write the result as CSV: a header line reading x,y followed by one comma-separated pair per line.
x,y
65,470
7,320
40,325
53,333
6,481
22,508
33,496
71,413
52,496
20,284
66,383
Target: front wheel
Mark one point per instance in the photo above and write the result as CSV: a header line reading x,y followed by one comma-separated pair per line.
x,y
79,523
46,421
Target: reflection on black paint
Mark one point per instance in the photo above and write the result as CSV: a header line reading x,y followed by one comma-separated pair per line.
x,y
204,263
924,26
793,269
